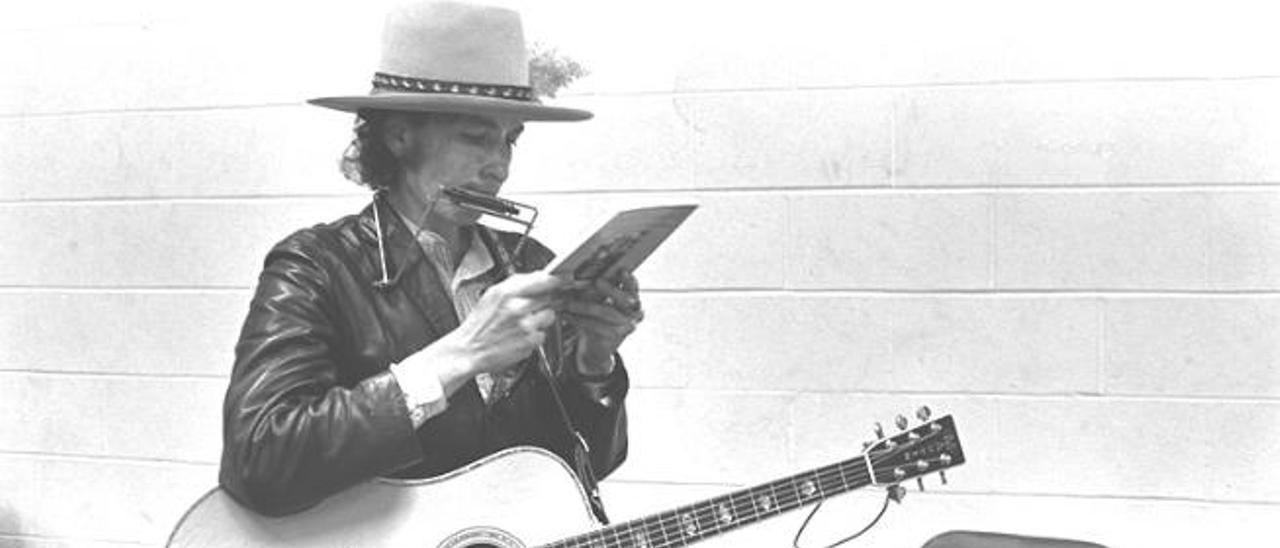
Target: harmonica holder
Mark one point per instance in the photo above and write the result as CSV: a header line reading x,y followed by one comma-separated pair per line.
x,y
499,208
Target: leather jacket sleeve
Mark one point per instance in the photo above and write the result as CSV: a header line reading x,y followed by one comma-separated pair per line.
x,y
293,433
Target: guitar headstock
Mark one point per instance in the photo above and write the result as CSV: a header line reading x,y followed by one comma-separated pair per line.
x,y
931,447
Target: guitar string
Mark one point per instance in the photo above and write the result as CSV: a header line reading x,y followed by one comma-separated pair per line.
x,y
703,516
708,511
707,525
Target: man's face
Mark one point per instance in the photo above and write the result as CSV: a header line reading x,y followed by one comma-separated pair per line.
x,y
468,151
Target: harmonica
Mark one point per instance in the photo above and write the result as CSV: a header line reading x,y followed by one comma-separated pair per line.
x,y
484,203
501,208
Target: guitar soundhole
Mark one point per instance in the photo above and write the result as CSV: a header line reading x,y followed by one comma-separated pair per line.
x,y
482,537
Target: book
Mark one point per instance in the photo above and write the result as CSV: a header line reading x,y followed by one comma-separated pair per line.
x,y
622,242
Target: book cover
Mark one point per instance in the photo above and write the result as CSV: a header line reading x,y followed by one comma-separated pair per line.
x,y
622,242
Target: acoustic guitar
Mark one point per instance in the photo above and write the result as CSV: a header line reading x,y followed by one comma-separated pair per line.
x,y
525,496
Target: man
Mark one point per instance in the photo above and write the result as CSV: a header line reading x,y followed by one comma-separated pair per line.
x,y
393,342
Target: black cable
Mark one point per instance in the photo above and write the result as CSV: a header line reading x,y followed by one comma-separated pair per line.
x,y
795,542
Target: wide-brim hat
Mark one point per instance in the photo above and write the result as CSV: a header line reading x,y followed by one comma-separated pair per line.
x,y
453,57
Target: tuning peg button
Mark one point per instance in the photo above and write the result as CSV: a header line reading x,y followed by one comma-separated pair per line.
x,y
901,421
879,431
923,413
942,474
920,483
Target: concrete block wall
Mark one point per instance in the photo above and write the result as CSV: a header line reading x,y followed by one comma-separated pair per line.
x,y
1058,222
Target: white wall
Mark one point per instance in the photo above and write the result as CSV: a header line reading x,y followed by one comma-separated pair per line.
x,y
1059,222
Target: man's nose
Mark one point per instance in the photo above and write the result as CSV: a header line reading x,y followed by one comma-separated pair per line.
x,y
497,164
495,171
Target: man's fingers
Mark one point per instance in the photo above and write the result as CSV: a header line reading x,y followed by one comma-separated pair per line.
x,y
532,284
523,306
628,282
595,312
616,296
539,321
536,338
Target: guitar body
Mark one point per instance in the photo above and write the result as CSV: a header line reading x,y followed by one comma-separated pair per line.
x,y
517,498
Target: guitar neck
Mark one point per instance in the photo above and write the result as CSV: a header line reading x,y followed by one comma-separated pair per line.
x,y
702,520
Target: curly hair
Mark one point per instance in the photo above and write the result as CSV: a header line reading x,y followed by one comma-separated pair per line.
x,y
367,161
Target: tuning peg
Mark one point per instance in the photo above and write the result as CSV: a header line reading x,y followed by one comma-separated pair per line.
x,y
901,421
897,492
923,413
942,474
879,430
920,482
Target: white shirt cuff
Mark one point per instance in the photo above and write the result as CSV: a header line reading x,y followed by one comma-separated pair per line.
x,y
422,389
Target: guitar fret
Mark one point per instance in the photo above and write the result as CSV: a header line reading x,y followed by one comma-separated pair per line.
x,y
668,539
595,539
627,535
673,520
722,514
762,501
812,488
824,485
662,530
672,526
609,538
773,501
795,490
689,524
637,534
743,509
705,516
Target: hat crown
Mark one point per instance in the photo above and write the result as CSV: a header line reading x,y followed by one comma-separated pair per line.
x,y
455,42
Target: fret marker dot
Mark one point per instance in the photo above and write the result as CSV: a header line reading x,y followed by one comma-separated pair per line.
x,y
726,516
808,489
765,503
690,526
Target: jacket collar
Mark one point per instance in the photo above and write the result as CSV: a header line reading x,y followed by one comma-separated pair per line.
x,y
407,269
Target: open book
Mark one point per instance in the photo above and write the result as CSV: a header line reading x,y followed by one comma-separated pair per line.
x,y
622,242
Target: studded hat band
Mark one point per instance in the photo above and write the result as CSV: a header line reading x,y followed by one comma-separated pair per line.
x,y
391,82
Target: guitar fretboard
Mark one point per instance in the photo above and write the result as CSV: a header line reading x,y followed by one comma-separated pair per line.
x,y
694,522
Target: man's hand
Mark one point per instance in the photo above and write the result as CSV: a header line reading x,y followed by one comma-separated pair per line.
x,y
605,313
508,323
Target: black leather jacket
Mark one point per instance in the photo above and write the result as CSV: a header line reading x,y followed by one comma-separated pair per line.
x,y
311,407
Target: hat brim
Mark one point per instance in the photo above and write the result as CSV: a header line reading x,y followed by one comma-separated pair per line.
x,y
466,104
